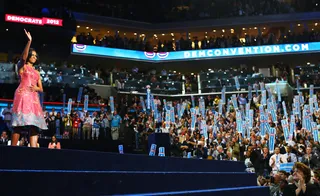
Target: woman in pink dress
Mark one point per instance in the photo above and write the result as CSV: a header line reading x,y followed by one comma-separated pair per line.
x,y
27,112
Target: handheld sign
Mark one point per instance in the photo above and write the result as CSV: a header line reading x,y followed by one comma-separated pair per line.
x,y
120,147
153,150
161,152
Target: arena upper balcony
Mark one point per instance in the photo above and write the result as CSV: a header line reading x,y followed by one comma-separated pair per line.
x,y
269,35
262,34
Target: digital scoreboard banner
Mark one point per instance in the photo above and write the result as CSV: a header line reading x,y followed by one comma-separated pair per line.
x,y
218,53
33,21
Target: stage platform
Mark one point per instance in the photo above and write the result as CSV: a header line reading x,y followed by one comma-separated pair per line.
x,y
74,172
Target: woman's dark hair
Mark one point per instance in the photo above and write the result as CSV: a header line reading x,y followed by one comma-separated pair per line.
x,y
20,63
305,170
54,141
30,54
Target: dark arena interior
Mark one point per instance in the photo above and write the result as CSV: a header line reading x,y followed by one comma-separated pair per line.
x,y
180,97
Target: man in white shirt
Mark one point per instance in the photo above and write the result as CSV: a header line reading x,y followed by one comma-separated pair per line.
x,y
87,125
276,159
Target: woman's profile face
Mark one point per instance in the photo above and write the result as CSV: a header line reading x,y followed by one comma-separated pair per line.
x,y
34,57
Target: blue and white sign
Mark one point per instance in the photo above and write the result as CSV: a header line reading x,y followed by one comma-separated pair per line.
x,y
195,54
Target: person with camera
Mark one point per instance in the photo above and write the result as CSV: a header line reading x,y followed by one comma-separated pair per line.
x,y
289,156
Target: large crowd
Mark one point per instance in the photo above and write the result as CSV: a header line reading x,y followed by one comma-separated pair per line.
x,y
214,133
196,43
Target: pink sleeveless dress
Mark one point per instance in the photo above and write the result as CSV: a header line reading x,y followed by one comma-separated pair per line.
x,y
27,110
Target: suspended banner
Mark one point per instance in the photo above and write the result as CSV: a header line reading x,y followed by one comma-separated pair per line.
x,y
154,57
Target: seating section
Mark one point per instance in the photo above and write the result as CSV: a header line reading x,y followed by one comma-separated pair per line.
x,y
214,80
308,75
170,83
68,172
53,76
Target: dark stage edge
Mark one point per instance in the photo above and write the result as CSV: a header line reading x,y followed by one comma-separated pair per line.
x,y
72,172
